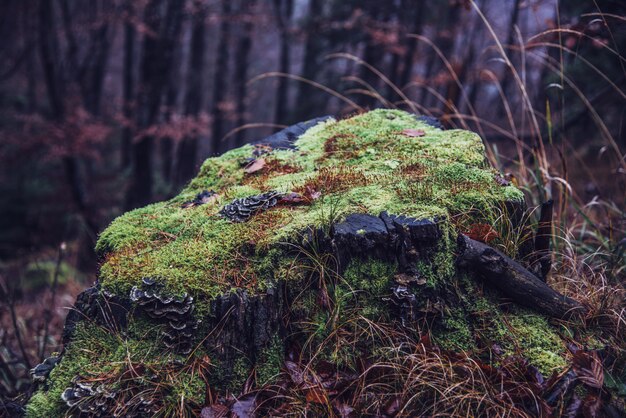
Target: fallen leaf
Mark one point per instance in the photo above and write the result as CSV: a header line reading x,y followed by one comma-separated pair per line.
x,y
312,194
414,132
214,411
316,395
295,372
245,406
344,410
255,166
292,198
482,232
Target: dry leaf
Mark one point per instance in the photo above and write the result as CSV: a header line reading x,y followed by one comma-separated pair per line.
x,y
482,232
316,395
255,166
292,198
414,132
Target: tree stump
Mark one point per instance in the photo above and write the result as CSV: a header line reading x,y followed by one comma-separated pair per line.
x,y
275,247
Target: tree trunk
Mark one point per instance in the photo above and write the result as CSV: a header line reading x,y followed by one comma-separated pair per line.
x,y
411,48
283,10
445,42
171,98
241,61
128,86
154,74
187,149
219,80
374,53
308,96
506,78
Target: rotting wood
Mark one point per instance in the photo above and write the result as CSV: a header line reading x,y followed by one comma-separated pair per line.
x,y
512,279
541,261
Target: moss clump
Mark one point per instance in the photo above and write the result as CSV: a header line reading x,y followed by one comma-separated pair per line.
x,y
192,248
95,353
455,332
371,275
270,361
91,351
537,340
366,164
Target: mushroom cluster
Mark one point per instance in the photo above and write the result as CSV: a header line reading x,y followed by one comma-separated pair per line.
x,y
175,313
41,371
201,198
240,210
98,400
89,400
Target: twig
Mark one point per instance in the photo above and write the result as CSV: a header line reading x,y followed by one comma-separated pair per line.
x,y
16,328
51,305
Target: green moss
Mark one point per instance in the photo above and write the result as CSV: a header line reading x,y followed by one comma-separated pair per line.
x,y
95,351
537,340
455,332
240,373
90,352
371,275
270,361
191,248
364,164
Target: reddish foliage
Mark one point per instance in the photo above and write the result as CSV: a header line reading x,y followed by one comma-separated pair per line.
x,y
482,232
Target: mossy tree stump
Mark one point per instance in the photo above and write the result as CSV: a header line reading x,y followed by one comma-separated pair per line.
x,y
310,236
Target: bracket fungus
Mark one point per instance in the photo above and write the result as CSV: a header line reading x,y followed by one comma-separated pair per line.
x,y
240,210
175,313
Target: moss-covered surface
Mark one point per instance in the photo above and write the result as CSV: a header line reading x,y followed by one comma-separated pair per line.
x,y
384,160
365,164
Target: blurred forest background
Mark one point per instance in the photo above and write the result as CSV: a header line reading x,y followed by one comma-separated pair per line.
x,y
107,105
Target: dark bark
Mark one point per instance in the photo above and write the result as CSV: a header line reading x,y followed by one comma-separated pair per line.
x,y
128,86
187,149
513,280
541,258
308,96
242,56
89,70
373,53
404,77
445,42
219,79
49,51
156,63
283,9
507,77
166,144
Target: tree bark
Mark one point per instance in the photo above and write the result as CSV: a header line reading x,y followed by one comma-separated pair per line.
x,y
513,280
308,96
187,149
219,79
506,78
411,48
155,69
242,56
128,86
283,9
